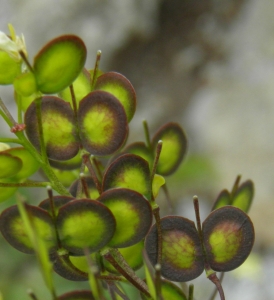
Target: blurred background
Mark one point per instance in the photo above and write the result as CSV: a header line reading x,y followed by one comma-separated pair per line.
x,y
208,65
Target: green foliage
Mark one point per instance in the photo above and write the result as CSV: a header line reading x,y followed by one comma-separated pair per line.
x,y
97,224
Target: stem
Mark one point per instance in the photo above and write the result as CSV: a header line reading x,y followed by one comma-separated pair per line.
x,y
88,164
27,183
115,290
95,70
235,186
10,140
190,292
211,275
218,285
7,115
84,185
157,156
216,290
97,166
147,135
22,54
158,282
117,260
156,213
52,208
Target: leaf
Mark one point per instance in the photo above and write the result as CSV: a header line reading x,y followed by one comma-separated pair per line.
x,y
119,86
129,171
158,181
83,224
133,216
173,150
59,63
59,131
25,84
102,123
92,189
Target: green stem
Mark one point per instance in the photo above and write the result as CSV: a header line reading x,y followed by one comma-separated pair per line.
x,y
11,141
27,183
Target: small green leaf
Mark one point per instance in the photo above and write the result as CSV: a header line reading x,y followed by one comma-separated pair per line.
x,y
71,164
121,88
59,63
228,238
129,171
83,224
102,122
59,130
173,150
14,231
132,213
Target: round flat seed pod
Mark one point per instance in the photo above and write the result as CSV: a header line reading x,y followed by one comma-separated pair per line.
x,y
102,123
77,295
92,189
13,229
119,86
133,216
224,198
81,87
60,135
244,196
182,256
9,165
85,224
30,164
9,68
59,63
129,171
173,150
65,268
228,238
59,201
134,261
